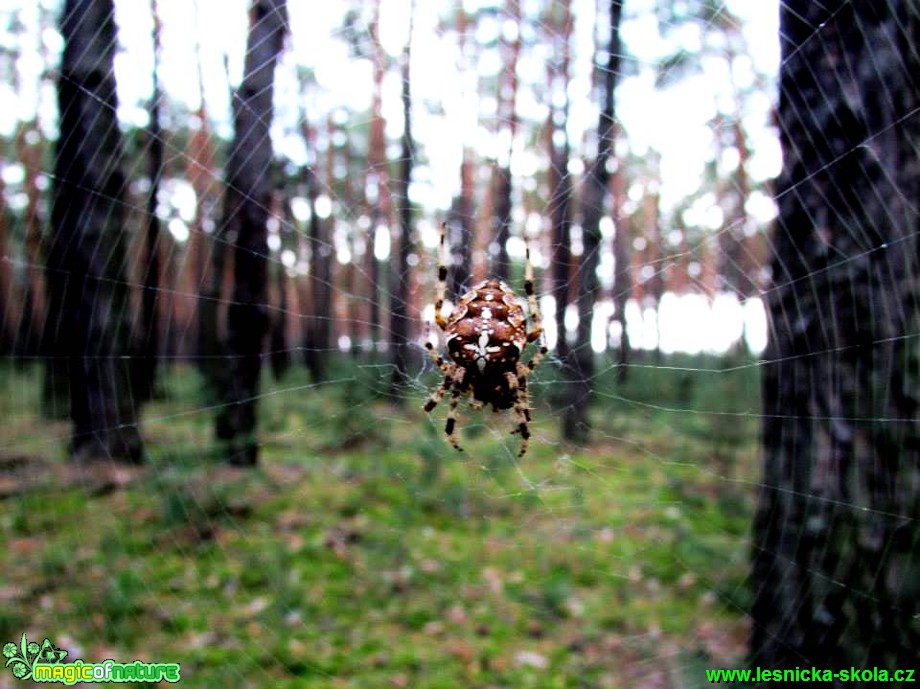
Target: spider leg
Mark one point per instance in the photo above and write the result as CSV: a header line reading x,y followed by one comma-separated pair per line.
x,y
536,320
439,317
435,357
449,426
521,407
526,369
438,394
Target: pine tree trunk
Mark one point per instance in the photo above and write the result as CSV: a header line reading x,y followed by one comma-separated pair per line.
x,y
247,200
622,272
399,287
29,334
146,374
836,536
88,329
595,195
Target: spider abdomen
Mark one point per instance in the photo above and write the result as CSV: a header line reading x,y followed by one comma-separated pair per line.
x,y
487,331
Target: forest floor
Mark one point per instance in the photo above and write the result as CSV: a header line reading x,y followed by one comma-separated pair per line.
x,y
365,552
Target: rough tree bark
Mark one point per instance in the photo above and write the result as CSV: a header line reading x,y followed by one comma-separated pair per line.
x,y
88,330
594,199
246,206
836,535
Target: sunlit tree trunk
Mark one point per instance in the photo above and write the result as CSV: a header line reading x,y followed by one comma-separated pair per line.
x,y
594,202
89,326
378,182
247,200
195,271
837,532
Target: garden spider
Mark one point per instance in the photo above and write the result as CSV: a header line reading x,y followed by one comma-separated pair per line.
x,y
485,334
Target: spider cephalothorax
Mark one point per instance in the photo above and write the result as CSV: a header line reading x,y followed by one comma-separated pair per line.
x,y
486,333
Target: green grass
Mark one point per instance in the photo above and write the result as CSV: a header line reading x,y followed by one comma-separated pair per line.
x,y
365,552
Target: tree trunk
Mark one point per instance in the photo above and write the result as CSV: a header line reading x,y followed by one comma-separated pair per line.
x,y
622,275
9,318
29,334
280,352
399,278
146,374
559,181
89,319
316,338
836,535
247,200
575,424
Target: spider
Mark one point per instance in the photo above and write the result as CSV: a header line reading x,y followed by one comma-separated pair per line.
x,y
485,334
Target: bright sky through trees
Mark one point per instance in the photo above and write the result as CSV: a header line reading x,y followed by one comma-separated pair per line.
x,y
449,111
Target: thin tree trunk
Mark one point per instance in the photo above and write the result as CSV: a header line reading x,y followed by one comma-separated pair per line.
x,y
316,340
507,110
247,200
33,302
622,275
399,280
594,199
560,182
89,321
280,353
461,232
145,381
836,534
9,318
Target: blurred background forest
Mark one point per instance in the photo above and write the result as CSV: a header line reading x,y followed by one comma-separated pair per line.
x,y
219,225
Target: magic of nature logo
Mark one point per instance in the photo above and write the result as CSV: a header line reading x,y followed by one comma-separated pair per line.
x,y
43,663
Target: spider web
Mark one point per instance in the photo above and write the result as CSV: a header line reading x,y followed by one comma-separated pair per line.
x,y
666,483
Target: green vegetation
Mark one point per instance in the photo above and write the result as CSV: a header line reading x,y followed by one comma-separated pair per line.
x,y
365,552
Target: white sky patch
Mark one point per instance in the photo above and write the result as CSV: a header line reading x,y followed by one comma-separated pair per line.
x,y
450,111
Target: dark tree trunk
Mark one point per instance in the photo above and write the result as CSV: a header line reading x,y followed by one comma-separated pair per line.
x,y
88,334
508,120
8,316
280,352
562,253
146,375
560,182
836,535
594,199
399,277
460,233
248,197
502,220
317,324
28,337
622,273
